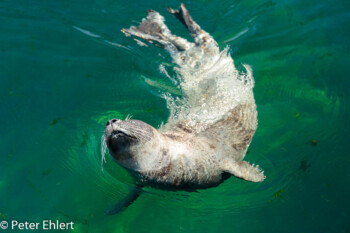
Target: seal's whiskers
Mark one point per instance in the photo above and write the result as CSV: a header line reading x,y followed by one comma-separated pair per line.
x,y
103,151
139,132
128,117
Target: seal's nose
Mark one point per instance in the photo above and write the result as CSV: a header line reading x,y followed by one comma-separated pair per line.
x,y
112,121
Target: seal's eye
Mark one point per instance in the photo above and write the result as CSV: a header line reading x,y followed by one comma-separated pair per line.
x,y
119,133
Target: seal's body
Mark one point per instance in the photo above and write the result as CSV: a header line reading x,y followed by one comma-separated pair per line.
x,y
182,158
209,128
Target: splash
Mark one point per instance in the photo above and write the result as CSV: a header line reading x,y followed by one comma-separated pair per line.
x,y
211,86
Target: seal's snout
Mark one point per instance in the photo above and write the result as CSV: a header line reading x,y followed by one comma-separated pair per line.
x,y
112,125
110,122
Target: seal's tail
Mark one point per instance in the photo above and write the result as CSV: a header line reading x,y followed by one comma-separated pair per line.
x,y
154,30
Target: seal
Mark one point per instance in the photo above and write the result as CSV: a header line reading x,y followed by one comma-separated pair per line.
x,y
209,129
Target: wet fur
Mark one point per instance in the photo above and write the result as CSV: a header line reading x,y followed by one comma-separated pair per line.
x,y
189,154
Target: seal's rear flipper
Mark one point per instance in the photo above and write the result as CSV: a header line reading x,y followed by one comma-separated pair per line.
x,y
200,37
244,170
123,204
155,31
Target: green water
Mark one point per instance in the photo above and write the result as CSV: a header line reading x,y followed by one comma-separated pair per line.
x,y
60,84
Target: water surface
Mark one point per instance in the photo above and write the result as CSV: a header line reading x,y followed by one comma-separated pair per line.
x,y
65,69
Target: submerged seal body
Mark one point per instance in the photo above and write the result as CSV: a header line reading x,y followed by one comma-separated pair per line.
x,y
209,128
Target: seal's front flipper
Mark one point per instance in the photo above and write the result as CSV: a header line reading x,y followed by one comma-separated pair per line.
x,y
123,204
244,170
154,30
199,35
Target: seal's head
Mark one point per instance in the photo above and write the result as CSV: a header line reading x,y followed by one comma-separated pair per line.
x,y
132,142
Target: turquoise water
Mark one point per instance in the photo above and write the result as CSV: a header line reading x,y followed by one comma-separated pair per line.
x,y
65,69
